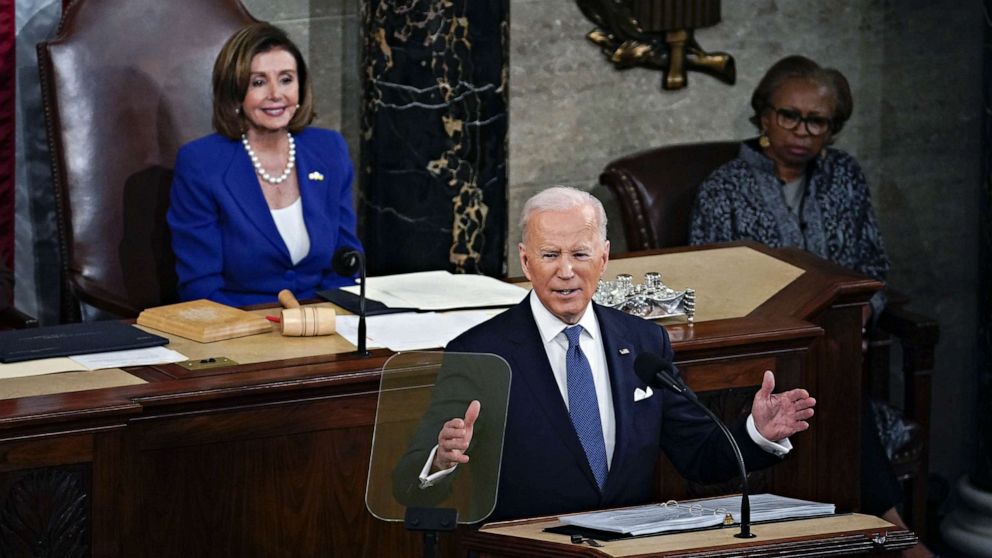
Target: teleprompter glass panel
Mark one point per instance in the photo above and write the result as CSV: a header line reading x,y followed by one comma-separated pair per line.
x,y
418,393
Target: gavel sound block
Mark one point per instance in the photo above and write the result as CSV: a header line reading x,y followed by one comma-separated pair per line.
x,y
309,321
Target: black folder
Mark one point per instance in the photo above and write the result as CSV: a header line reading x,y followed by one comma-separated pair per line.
x,y
351,303
74,339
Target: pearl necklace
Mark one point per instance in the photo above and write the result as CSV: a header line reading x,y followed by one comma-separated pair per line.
x,y
258,165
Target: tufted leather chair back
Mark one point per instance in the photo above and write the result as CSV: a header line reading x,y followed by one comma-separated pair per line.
x,y
656,188
125,83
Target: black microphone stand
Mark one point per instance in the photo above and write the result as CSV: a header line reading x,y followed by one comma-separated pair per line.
x,y
745,502
676,385
362,349
343,263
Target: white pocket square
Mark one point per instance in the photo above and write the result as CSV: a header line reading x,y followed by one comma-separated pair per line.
x,y
640,394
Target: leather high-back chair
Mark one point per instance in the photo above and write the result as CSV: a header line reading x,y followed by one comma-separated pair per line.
x,y
125,84
656,188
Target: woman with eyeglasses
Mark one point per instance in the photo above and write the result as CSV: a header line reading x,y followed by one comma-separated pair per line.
x,y
787,187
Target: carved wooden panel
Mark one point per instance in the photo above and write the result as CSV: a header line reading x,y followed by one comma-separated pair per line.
x,y
45,513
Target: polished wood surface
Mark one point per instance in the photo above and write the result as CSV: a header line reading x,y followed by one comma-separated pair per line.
x,y
839,535
270,458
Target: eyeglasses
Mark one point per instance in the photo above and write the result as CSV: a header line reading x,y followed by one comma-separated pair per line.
x,y
789,119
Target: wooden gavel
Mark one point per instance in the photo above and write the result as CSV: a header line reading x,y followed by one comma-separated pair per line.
x,y
299,321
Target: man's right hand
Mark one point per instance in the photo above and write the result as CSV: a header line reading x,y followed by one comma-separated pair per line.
x,y
454,438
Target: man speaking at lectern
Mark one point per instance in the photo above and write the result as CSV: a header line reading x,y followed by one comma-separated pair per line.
x,y
582,431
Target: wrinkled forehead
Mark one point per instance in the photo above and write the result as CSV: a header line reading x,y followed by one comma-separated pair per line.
x,y
571,230
575,225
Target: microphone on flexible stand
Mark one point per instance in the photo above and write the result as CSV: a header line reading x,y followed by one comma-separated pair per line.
x,y
659,372
345,263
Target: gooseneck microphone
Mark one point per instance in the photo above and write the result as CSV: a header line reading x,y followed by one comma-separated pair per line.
x,y
346,262
659,372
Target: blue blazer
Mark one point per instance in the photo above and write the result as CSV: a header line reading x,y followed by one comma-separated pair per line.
x,y
226,243
544,469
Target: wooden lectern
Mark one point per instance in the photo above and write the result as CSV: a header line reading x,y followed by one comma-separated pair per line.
x,y
841,535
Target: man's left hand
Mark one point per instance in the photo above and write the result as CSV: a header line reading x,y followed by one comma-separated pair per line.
x,y
780,415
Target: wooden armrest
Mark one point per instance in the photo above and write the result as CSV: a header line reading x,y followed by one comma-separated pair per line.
x,y
13,318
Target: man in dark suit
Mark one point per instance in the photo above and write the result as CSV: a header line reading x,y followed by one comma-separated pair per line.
x,y
582,431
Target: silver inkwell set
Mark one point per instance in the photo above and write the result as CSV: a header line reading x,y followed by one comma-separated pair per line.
x,y
651,299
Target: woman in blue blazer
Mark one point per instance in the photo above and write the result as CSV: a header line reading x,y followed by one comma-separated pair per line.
x,y
263,204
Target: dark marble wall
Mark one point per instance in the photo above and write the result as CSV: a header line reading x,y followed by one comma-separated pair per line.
x,y
967,527
434,122
982,472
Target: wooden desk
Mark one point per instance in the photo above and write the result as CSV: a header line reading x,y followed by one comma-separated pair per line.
x,y
269,459
843,535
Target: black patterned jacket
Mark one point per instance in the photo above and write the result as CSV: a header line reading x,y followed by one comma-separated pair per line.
x,y
743,200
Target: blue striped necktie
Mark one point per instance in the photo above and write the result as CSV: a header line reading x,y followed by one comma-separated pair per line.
x,y
583,406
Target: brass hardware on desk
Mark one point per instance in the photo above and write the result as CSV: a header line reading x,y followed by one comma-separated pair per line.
x,y
205,363
658,34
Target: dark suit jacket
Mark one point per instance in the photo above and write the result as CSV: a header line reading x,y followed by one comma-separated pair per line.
x,y
544,470
227,246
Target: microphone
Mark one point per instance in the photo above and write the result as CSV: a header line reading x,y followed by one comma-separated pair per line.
x,y
659,372
346,262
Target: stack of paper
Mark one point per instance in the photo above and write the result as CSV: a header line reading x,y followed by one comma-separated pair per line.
x,y
697,514
440,290
412,331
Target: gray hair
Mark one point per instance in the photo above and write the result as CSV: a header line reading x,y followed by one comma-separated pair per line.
x,y
561,198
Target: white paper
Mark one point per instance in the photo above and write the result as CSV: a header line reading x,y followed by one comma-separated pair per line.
x,y
440,290
347,327
660,518
38,367
95,361
642,520
412,331
132,357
